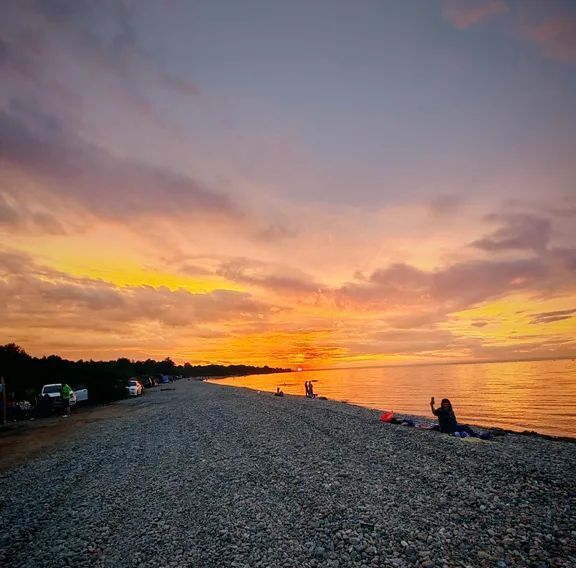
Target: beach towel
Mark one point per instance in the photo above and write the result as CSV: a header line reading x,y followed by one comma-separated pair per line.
x,y
473,440
387,416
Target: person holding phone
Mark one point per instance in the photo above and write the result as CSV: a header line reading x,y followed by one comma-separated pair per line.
x,y
447,423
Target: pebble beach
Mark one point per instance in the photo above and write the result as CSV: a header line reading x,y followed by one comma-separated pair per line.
x,y
204,475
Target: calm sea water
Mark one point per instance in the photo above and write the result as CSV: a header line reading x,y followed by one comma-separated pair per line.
x,y
534,395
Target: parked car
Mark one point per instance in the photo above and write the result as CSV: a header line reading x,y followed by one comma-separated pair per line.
x,y
81,395
149,382
54,391
134,388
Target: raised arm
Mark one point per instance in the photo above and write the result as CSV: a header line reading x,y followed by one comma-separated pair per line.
x,y
434,411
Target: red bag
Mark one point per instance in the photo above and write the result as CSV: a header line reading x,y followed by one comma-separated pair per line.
x,y
387,416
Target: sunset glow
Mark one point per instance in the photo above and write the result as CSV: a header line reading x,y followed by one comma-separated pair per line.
x,y
294,184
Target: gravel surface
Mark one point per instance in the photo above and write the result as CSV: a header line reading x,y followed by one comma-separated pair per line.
x,y
212,476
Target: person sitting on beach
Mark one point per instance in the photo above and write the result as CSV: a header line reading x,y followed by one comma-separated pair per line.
x,y
447,423
278,392
445,415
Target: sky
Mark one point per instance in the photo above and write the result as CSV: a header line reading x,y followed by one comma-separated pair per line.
x,y
311,183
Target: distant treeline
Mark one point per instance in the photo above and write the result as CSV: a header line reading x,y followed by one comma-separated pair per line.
x,y
105,380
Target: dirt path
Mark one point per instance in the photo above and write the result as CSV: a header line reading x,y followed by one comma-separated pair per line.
x,y
23,441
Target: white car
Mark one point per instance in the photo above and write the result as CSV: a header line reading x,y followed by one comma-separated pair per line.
x,y
134,388
54,391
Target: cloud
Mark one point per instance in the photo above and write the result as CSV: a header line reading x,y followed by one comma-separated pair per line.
x,y
519,232
565,260
406,297
275,232
64,165
18,217
466,13
190,269
378,340
540,348
556,37
445,205
270,277
102,34
549,317
33,296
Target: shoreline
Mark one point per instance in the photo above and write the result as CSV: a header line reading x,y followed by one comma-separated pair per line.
x,y
418,417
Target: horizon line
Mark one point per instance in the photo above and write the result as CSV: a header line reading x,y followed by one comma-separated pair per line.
x,y
440,364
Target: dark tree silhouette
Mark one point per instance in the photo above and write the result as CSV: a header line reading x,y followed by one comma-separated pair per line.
x,y
105,380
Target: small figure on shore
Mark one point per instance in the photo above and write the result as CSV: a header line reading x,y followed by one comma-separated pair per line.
x,y
311,389
447,423
307,388
66,394
278,392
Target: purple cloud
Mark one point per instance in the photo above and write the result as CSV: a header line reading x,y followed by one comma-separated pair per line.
x,y
519,232
455,287
445,204
66,166
17,218
103,33
556,37
269,277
